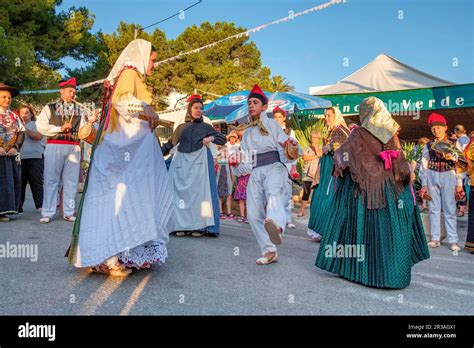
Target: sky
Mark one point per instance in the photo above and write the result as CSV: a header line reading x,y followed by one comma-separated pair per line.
x,y
322,47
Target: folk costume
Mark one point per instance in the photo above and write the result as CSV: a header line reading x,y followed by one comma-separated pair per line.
x,y
374,234
193,177
266,189
440,176
11,137
125,214
62,154
469,153
323,195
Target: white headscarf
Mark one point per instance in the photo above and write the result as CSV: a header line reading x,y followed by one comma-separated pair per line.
x,y
338,119
136,54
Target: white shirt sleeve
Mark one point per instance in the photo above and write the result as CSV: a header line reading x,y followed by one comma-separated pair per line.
x,y
244,144
42,123
128,106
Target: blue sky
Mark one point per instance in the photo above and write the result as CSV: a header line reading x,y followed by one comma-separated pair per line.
x,y
309,50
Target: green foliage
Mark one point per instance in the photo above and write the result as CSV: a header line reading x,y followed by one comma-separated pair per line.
x,y
411,151
34,38
53,35
303,127
225,68
280,84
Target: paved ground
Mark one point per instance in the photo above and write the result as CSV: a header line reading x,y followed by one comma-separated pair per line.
x,y
219,276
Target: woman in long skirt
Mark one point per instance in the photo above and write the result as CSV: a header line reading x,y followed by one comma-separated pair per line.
x,y
11,140
323,195
125,214
195,199
374,234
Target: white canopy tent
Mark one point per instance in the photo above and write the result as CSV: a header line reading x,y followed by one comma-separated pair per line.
x,y
383,74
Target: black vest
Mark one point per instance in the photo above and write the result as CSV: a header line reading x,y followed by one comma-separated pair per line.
x,y
58,120
437,163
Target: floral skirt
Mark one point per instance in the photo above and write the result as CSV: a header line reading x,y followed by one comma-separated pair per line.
x,y
240,193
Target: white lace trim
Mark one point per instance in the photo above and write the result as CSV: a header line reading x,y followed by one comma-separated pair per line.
x,y
145,253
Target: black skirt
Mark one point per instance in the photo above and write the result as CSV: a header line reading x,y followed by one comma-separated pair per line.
x,y
10,185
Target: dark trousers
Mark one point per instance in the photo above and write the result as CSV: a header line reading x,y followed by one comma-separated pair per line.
x,y
470,222
32,173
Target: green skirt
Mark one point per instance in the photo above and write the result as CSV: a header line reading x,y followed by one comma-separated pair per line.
x,y
374,247
323,196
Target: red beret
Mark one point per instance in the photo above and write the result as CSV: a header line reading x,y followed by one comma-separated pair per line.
x,y
194,96
68,83
280,110
257,92
436,120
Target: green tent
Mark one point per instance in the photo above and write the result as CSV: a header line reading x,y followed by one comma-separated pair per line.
x,y
411,108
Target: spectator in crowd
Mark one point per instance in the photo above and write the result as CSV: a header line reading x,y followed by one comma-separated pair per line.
x,y
310,171
32,162
11,140
459,133
420,144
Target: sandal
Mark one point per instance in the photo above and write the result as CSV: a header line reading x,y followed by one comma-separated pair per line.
x,y
434,244
183,233
273,231
223,216
455,247
460,214
240,219
69,218
45,220
230,216
116,271
300,215
265,260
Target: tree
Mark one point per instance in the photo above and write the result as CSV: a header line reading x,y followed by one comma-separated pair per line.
x,y
34,38
280,84
225,68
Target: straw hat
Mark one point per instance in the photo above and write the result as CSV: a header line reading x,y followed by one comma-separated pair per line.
x,y
4,87
232,133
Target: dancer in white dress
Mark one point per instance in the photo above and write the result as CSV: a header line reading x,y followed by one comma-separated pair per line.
x,y
124,218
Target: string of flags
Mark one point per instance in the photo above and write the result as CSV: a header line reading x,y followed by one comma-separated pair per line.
x,y
199,49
